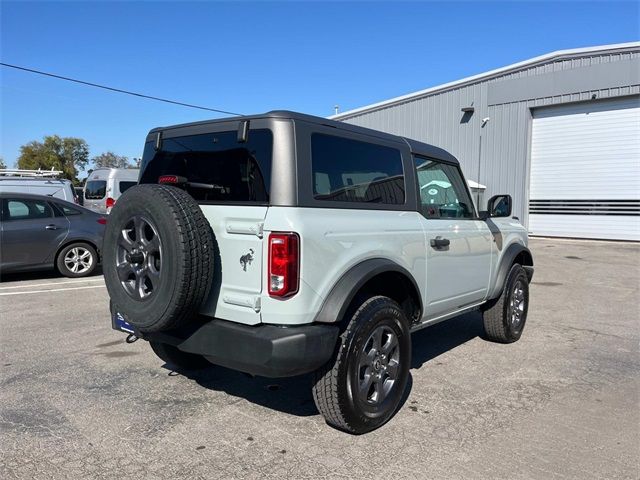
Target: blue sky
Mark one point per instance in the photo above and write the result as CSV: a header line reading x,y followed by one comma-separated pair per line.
x,y
254,57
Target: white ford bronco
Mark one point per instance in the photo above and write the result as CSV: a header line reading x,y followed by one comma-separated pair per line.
x,y
283,244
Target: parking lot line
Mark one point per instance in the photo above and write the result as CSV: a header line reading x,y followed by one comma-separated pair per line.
x,y
52,283
51,290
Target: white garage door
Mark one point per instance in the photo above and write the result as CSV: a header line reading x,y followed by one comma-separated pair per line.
x,y
585,170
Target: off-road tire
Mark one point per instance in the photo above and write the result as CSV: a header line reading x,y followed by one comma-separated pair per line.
x,y
187,257
498,325
66,271
334,384
174,357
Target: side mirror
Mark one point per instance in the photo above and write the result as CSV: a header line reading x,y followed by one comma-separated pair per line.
x,y
499,206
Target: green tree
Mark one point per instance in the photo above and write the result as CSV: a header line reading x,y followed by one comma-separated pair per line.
x,y
2,164
67,154
111,160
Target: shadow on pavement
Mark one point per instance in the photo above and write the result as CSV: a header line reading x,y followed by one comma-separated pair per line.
x,y
433,341
289,395
293,395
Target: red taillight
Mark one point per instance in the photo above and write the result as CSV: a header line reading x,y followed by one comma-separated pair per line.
x,y
110,202
102,221
284,264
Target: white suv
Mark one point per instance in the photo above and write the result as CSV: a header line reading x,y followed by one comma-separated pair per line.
x,y
37,182
282,244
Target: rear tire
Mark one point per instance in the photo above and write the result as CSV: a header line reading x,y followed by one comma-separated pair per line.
x,y
77,260
177,358
361,388
504,320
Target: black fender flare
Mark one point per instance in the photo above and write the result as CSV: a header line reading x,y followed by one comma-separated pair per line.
x,y
513,251
345,289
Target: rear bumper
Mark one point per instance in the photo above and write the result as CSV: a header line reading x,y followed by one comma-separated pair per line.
x,y
265,350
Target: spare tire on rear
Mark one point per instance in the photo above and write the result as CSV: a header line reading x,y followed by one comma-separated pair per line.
x,y
157,257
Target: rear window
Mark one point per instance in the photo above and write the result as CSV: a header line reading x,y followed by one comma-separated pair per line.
x,y
95,189
124,186
347,170
216,167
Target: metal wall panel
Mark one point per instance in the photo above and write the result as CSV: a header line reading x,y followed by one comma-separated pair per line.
x,y
496,155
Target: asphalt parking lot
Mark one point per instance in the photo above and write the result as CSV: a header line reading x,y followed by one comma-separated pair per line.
x,y
78,402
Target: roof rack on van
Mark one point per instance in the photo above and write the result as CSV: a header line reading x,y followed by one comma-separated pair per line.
x,y
17,172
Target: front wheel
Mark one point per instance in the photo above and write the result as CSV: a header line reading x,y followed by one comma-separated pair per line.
x,y
361,388
77,260
504,320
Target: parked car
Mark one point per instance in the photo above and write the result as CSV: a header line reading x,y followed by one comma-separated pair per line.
x,y
37,182
40,232
283,244
105,185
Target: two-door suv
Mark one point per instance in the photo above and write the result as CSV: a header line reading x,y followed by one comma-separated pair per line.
x,y
282,244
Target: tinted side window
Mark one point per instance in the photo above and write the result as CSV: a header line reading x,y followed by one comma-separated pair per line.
x,y
124,186
216,167
442,191
22,209
95,189
349,170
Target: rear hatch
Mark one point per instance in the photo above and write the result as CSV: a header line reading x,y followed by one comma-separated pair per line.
x,y
95,193
230,180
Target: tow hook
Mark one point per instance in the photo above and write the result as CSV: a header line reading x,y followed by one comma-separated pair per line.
x,y
131,338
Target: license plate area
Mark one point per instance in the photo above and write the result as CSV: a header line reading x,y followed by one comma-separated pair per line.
x,y
119,323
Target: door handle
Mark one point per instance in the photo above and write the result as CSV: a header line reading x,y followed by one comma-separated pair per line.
x,y
439,242
51,227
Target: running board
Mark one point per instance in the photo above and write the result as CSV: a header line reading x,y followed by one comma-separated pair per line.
x,y
447,316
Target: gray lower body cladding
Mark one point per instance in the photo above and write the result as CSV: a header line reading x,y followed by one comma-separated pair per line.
x,y
265,350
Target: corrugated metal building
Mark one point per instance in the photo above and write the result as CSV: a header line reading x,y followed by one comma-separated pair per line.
x,y
559,132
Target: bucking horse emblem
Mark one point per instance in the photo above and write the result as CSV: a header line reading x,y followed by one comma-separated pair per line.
x,y
246,259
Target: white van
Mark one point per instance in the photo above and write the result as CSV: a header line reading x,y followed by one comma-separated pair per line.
x,y
105,185
37,182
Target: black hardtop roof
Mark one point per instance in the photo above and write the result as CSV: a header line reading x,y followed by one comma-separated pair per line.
x,y
415,146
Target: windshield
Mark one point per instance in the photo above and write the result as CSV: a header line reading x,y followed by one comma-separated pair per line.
x,y
215,167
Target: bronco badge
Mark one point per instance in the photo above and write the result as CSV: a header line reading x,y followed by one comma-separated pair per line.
x,y
246,259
